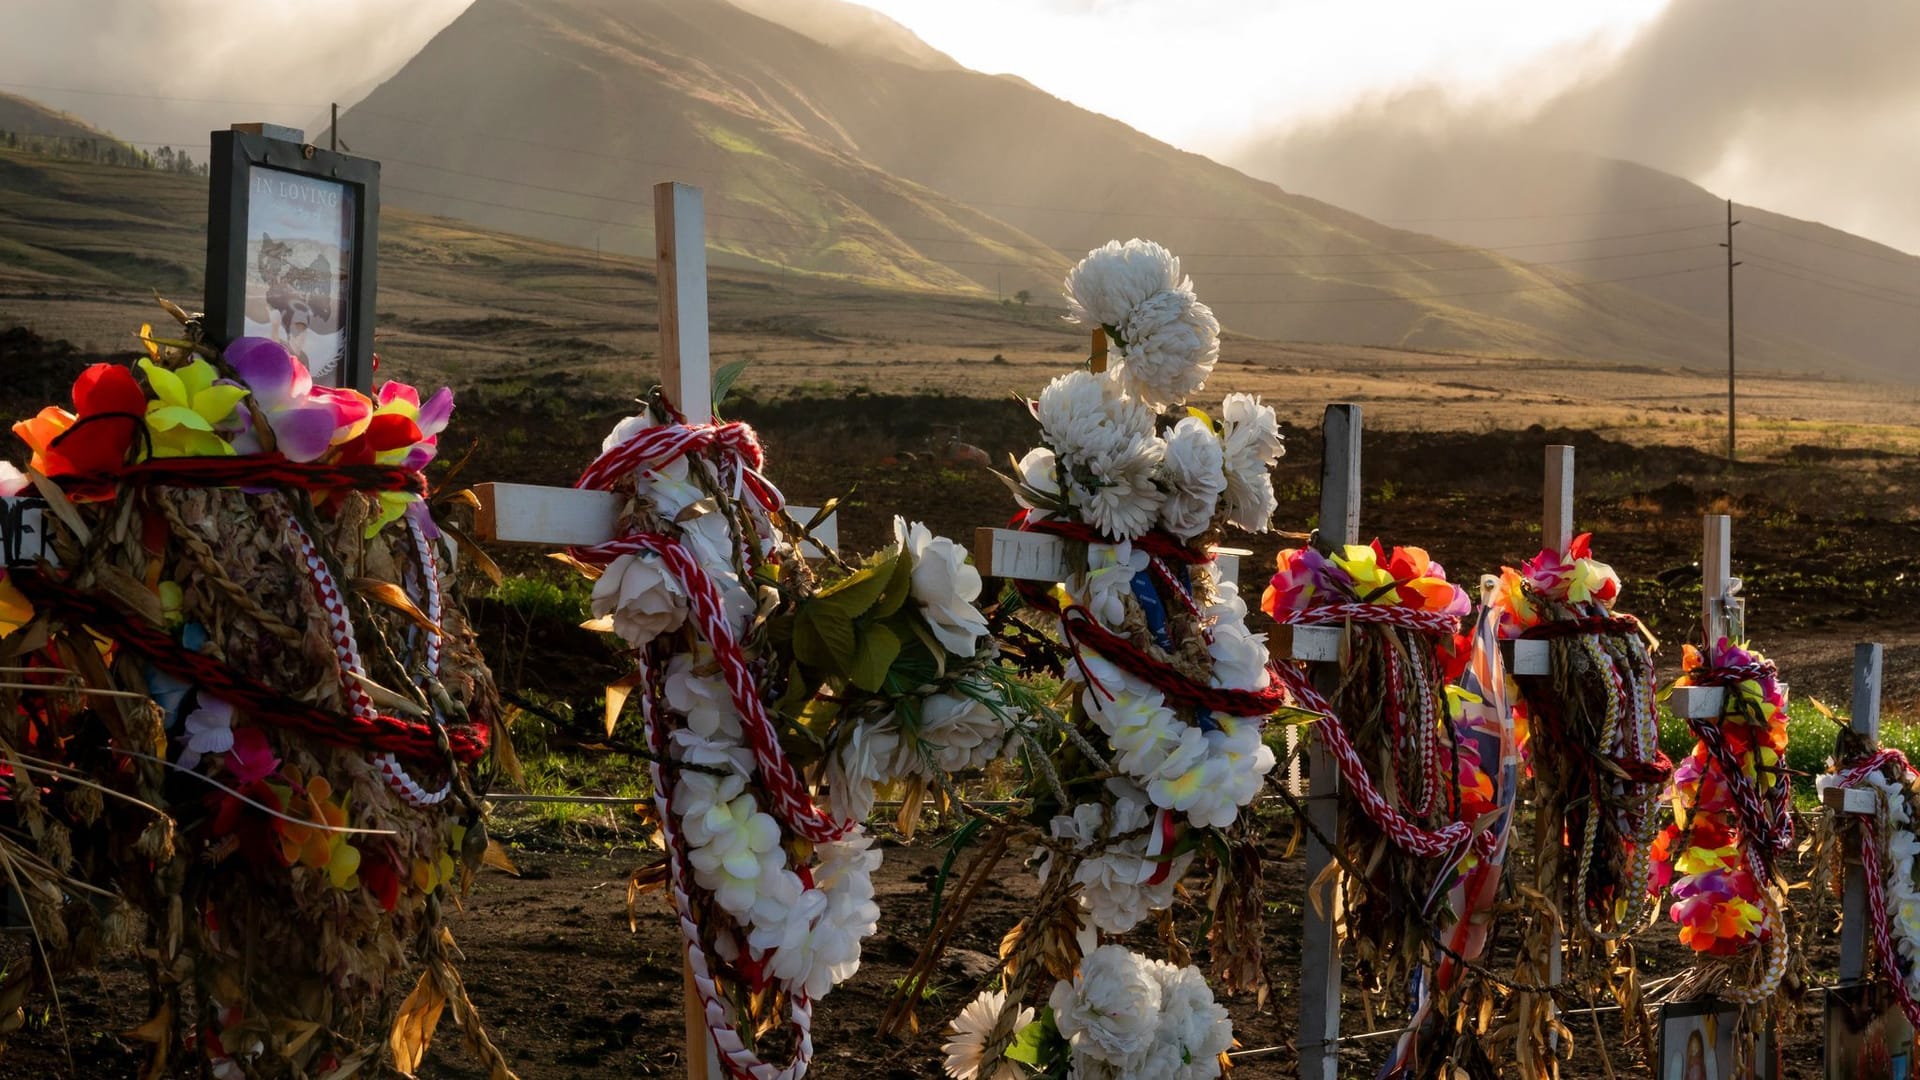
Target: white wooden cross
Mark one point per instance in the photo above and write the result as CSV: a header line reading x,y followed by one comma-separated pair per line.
x,y
1320,976
1529,656
1858,800
556,517
1722,615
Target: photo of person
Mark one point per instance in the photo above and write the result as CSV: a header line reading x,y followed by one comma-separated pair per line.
x,y
1867,1035
1698,1042
299,267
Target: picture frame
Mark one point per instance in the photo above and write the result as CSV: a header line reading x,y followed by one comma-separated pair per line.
x,y
1697,1043
314,285
1867,1036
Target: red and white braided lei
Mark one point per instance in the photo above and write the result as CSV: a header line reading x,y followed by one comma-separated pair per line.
x,y
788,799
1881,923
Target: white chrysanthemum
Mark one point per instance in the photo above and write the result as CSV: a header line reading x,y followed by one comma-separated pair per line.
x,y
1039,470
1111,1008
871,754
971,1030
1194,1029
1117,496
962,732
1172,343
1083,413
702,698
1108,582
1194,473
643,598
945,585
1253,445
732,846
1104,288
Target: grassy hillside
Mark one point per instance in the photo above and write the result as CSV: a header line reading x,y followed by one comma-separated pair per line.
x,y
554,117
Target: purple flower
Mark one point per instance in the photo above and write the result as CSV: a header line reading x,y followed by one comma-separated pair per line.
x,y
303,423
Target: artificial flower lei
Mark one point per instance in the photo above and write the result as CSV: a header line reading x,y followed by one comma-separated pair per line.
x,y
1732,817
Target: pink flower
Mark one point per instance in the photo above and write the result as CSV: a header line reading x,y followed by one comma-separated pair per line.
x,y
251,759
306,420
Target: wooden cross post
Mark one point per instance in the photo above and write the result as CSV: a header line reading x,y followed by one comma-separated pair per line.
x,y
1528,656
1320,946
1865,724
561,517
1722,614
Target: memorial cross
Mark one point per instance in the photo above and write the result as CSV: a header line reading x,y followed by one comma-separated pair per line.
x,y
1865,725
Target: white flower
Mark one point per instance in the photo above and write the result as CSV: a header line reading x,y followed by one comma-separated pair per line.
x,y
1104,288
945,585
12,480
1172,342
1211,791
1195,477
1253,445
963,732
971,1030
1108,583
733,759
813,934
703,699
1149,741
1111,1008
1083,413
1193,1029
643,598
209,731
1116,885
732,846
1039,470
1117,495
1239,657
869,755
624,430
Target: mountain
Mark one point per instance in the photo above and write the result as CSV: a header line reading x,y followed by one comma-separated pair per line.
x,y
831,154
1829,291
24,116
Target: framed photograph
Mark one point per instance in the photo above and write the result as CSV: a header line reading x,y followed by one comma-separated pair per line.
x,y
1867,1035
292,232
1703,1040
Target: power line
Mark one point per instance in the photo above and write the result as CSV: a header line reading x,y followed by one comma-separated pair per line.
x,y
158,97
1835,277
1414,298
1563,214
1896,260
1761,266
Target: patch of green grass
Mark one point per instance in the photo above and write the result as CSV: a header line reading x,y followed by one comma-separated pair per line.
x,y
553,773
542,598
1810,739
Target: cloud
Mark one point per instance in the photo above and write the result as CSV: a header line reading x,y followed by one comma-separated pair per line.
x,y
275,60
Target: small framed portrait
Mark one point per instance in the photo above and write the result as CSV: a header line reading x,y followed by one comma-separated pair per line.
x,y
1868,1037
292,232
1705,1040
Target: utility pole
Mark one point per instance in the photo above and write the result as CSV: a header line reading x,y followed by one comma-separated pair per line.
x,y
1731,263
333,129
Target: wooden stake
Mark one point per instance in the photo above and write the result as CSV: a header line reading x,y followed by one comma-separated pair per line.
x,y
1721,614
1319,947
681,260
1853,904
1098,357
1556,515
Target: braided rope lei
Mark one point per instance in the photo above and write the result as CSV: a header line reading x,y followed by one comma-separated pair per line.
x,y
1876,890
1448,840
740,456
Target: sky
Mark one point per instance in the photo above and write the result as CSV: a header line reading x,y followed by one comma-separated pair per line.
x,y
1808,108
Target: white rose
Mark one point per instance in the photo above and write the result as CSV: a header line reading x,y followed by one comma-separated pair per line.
x,y
1110,1009
643,598
870,754
963,732
624,430
945,586
1194,472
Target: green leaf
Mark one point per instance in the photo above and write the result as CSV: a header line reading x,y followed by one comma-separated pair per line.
x,y
852,596
723,381
878,649
1029,1043
824,639
899,587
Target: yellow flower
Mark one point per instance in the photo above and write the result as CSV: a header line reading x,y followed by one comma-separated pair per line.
x,y
186,407
15,609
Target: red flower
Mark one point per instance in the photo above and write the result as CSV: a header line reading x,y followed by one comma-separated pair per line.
x,y
109,408
380,877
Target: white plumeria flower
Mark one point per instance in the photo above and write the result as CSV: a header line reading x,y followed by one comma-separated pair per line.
x,y
971,1029
209,730
945,585
703,699
1108,581
732,846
